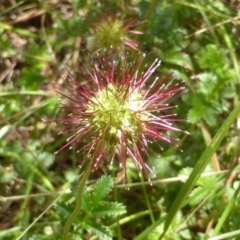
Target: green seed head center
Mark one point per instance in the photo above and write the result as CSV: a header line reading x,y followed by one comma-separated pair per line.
x,y
111,32
116,109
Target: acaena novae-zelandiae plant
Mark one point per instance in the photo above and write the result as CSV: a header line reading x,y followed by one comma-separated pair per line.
x,y
116,112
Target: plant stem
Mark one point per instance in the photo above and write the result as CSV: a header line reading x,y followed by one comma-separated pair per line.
x,y
147,200
151,9
146,18
78,206
119,233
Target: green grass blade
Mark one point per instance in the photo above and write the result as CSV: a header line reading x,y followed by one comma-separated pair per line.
x,y
199,168
32,93
226,213
226,235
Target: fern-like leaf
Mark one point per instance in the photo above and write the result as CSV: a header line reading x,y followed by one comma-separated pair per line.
x,y
101,231
86,201
108,209
102,188
63,209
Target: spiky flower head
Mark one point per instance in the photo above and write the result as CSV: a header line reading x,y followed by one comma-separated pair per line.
x,y
114,32
116,113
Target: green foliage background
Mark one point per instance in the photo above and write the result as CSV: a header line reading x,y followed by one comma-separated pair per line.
x,y
196,192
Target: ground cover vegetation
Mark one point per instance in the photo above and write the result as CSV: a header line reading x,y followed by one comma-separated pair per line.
x,y
119,119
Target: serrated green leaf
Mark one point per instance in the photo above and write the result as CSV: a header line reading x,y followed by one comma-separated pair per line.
x,y
203,110
180,59
101,231
212,57
108,209
64,209
202,181
185,172
228,92
87,203
77,236
208,82
101,189
199,197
